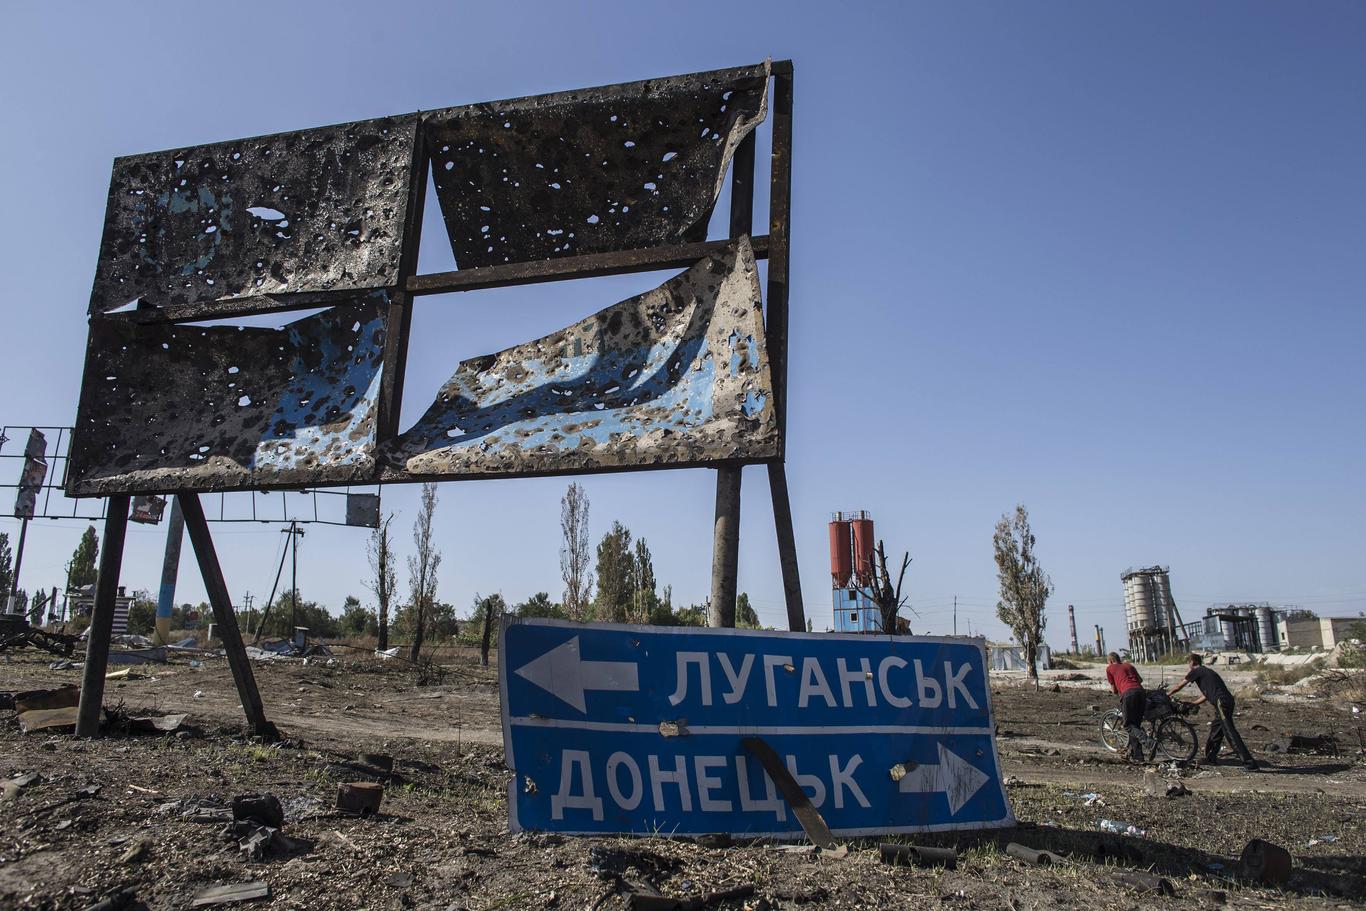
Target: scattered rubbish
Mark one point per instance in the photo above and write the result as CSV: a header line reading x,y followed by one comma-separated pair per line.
x,y
59,698
236,892
256,842
136,851
1121,828
128,673
1177,789
263,809
1031,856
1322,840
12,786
1093,800
1266,862
381,761
644,901
188,642
53,720
196,663
156,724
399,880
1013,781
1318,744
359,797
121,899
1146,883
918,856
199,694
387,653
301,806
139,656
62,665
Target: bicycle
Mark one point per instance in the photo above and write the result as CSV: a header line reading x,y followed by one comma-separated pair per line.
x,y
1172,735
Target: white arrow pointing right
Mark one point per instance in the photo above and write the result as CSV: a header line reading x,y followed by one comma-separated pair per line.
x,y
955,776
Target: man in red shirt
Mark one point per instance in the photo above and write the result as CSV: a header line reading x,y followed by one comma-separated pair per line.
x,y
1125,681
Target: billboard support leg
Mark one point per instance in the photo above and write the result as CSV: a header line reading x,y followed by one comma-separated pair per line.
x,y
787,547
225,618
102,617
725,555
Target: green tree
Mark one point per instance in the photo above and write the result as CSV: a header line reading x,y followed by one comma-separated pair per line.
x,y
142,614
540,605
488,611
422,567
320,623
644,598
575,566
82,569
616,569
384,578
355,620
745,615
1025,587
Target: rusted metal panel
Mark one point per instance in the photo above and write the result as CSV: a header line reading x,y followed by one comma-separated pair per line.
x,y
676,376
168,408
622,167
320,210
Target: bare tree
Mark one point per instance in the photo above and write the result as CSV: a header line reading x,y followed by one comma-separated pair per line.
x,y
422,567
887,596
1025,587
574,555
385,578
493,607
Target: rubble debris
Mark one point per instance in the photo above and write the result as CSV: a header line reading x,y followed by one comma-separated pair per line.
x,y
136,852
918,856
60,698
122,899
359,797
12,786
156,724
1265,862
381,762
61,720
642,901
264,809
1032,856
1146,883
1305,744
235,892
1121,828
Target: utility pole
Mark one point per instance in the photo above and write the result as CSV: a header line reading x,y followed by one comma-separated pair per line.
x,y
295,533
246,599
12,604
955,615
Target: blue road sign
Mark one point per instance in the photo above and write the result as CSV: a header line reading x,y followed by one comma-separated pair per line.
x,y
639,729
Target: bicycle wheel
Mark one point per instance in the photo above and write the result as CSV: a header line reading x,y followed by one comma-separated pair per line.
x,y
1176,739
1112,732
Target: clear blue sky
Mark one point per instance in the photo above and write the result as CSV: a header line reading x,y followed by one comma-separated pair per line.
x,y
1104,259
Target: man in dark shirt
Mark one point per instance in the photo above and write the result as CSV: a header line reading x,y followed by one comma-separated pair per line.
x,y
1125,681
1215,692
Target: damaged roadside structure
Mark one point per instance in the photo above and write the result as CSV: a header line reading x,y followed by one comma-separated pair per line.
x,y
577,184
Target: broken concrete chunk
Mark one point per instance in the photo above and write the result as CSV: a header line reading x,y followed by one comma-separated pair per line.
x,y
235,892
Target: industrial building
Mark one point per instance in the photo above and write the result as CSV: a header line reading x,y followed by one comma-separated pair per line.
x,y
1150,613
851,573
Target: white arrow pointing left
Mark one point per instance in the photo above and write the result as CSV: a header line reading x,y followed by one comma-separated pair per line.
x,y
564,675
956,777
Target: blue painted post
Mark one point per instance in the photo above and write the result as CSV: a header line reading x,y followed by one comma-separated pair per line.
x,y
170,569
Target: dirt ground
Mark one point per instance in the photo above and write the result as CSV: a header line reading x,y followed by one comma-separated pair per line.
x,y
143,813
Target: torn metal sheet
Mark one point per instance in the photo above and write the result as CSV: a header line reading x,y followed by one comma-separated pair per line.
x,y
167,408
312,211
676,376
623,167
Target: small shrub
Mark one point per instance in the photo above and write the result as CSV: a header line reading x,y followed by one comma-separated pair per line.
x,y
1287,674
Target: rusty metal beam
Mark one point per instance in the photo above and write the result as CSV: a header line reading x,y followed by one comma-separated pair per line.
x,y
595,265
